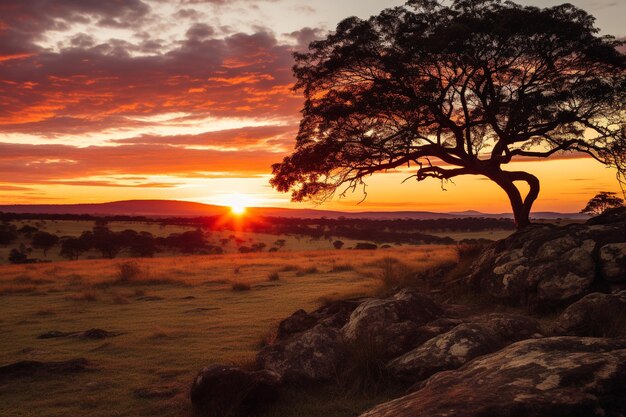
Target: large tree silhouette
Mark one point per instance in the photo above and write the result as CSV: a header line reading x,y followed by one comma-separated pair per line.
x,y
458,90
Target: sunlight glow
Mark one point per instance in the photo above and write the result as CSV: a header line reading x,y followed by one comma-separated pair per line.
x,y
238,203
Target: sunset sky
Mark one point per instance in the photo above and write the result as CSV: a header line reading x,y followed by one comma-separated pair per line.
x,y
190,99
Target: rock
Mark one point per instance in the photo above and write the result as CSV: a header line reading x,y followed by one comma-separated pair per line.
x,y
558,376
446,351
296,323
435,328
335,315
96,334
547,266
52,334
149,298
459,345
596,314
613,262
156,392
93,334
227,391
391,324
313,355
32,368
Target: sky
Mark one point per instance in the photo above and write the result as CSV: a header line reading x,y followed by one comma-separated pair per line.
x,y
192,100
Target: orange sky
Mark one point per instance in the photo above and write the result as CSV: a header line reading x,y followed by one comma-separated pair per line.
x,y
191,100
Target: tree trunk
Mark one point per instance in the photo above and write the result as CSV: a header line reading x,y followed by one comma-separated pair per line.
x,y
521,206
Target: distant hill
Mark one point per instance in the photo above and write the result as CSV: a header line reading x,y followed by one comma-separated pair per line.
x,y
187,208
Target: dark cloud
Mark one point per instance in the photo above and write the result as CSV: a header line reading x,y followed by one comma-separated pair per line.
x,y
306,35
88,88
199,31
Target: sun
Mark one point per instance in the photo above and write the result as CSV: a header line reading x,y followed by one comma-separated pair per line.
x,y
238,203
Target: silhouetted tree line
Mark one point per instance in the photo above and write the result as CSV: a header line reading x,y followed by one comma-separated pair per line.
x,y
143,244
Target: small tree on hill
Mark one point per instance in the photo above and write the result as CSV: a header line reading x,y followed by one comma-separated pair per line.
x,y
602,202
456,90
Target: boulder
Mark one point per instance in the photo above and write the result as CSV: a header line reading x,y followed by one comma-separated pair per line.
x,y
296,323
557,376
613,262
446,351
313,355
390,325
335,314
548,266
227,391
452,349
595,314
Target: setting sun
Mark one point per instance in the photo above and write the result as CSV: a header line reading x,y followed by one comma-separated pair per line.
x,y
238,203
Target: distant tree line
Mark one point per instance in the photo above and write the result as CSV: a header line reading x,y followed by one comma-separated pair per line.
x,y
110,244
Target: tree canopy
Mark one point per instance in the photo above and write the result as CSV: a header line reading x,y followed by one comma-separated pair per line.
x,y
601,202
455,90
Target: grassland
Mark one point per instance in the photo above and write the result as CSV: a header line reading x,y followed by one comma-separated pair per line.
x,y
73,228
174,316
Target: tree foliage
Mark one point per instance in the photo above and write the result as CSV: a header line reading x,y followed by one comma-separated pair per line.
x,y
455,90
601,202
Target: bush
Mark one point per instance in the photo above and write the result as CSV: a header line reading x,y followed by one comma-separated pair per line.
x,y
470,248
306,271
127,271
240,286
366,246
395,273
342,268
273,276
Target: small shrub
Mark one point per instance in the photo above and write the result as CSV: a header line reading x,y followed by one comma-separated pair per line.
x,y
127,271
342,268
395,273
366,246
306,271
470,249
289,268
273,276
240,286
87,295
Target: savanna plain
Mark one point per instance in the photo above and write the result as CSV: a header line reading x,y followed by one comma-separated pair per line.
x,y
146,325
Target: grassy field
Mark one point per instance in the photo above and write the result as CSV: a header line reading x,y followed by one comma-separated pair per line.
x,y
174,316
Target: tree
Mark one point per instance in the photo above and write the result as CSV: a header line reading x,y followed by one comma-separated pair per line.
x,y
338,244
72,248
44,240
17,257
455,90
601,202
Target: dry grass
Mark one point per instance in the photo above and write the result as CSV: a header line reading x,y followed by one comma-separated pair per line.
x,y
192,318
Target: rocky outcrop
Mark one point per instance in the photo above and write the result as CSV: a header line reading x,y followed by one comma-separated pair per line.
x,y
391,325
545,265
558,376
595,314
313,355
227,391
461,344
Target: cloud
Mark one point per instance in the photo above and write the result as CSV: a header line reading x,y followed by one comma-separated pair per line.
x,y
22,164
89,88
245,137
